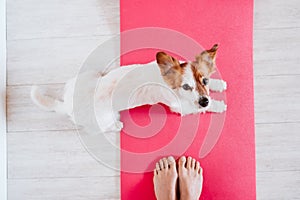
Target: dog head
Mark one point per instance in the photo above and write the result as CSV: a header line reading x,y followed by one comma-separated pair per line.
x,y
189,80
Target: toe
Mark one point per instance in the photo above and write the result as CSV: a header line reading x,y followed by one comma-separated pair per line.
x,y
166,164
157,167
161,164
181,162
200,171
171,162
189,162
198,166
193,163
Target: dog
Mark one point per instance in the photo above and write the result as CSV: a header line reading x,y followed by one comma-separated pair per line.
x,y
183,86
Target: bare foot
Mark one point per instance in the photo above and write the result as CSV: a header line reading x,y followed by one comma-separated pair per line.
x,y
190,178
165,177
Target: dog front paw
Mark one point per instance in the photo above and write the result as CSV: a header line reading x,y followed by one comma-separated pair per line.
x,y
217,106
217,85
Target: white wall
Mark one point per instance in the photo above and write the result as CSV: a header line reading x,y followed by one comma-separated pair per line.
x,y
3,169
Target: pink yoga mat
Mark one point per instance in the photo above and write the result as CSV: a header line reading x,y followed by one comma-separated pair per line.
x,y
223,143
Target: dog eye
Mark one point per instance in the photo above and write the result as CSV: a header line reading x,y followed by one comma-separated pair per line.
x,y
186,87
205,81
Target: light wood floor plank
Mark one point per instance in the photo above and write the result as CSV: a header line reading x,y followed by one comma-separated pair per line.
x,y
279,14
277,147
276,52
54,154
23,115
96,188
278,185
28,19
44,61
277,99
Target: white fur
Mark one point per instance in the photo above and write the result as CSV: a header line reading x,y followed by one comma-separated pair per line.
x,y
121,89
217,85
217,106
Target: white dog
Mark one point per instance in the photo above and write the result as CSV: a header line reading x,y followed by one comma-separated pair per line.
x,y
183,86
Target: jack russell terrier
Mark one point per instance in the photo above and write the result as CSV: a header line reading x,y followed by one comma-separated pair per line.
x,y
182,86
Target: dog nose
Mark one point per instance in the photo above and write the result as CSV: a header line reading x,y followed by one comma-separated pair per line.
x,y
203,101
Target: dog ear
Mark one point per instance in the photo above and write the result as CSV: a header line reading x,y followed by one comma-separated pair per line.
x,y
165,62
213,51
206,60
170,69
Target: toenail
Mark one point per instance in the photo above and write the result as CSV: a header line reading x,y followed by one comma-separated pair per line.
x,y
171,158
182,158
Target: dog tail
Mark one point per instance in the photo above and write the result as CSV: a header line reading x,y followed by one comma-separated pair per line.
x,y
46,102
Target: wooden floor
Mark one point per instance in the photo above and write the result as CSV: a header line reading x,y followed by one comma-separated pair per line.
x,y
47,42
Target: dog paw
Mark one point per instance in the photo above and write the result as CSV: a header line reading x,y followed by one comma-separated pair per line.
x,y
217,106
217,85
119,125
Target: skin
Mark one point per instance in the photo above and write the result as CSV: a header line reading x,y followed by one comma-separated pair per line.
x,y
189,179
165,178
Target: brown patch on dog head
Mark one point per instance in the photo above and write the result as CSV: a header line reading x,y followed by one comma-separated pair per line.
x,y
170,68
206,61
200,87
213,51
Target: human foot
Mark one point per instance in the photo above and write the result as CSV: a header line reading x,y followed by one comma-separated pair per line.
x,y
190,178
165,177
